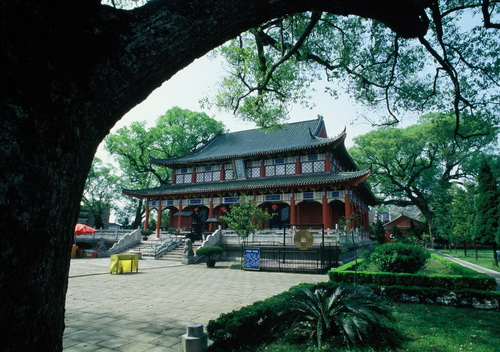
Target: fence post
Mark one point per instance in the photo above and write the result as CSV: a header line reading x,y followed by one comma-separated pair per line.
x,y
195,340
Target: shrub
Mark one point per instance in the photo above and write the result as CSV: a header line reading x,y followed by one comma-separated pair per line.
x,y
400,257
146,232
261,321
250,325
354,315
209,251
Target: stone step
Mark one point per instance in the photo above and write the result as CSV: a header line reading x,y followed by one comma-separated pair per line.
x,y
177,254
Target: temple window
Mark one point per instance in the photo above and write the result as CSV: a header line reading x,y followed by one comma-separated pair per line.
x,y
229,171
208,173
280,166
253,168
184,175
312,163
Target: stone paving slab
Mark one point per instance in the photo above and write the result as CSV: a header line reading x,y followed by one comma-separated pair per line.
x,y
149,310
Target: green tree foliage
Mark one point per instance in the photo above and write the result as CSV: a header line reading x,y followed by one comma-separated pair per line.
x,y
487,207
462,215
377,231
176,133
246,217
415,165
100,190
454,67
354,315
400,257
441,209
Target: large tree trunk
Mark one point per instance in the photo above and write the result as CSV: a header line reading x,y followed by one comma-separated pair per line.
x,y
70,70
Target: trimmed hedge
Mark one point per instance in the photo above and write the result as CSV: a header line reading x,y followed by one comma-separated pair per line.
x,y
260,322
481,282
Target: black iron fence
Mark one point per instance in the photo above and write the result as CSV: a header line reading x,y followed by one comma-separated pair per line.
x,y
315,259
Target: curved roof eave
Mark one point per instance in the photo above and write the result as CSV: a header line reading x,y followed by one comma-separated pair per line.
x,y
248,185
315,142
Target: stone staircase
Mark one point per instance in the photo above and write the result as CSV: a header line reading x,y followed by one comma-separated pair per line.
x,y
177,254
144,249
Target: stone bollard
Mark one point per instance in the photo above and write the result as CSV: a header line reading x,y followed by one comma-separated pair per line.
x,y
194,340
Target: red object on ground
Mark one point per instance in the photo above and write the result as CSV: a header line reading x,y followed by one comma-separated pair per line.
x,y
82,229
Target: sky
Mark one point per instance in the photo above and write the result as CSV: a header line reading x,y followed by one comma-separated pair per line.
x,y
201,79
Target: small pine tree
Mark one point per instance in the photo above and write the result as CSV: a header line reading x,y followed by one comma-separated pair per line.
x,y
487,207
245,218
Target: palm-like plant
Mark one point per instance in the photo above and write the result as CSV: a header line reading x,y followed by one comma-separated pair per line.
x,y
355,314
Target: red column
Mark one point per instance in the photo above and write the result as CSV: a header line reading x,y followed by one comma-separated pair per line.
x,y
158,221
194,175
174,177
348,211
170,220
324,208
211,212
179,218
146,221
328,162
222,173
298,166
262,169
293,219
297,210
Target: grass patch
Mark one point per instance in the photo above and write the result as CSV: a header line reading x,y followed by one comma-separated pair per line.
x,y
434,266
485,257
427,328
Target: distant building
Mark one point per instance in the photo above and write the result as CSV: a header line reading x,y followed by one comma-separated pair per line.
x,y
295,172
403,223
383,216
114,226
87,217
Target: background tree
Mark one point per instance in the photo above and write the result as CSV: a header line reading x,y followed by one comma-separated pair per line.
x,y
275,63
176,133
377,231
69,72
414,165
100,190
487,209
245,218
462,214
442,222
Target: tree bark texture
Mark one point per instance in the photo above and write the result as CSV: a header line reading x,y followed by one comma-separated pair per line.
x,y
69,71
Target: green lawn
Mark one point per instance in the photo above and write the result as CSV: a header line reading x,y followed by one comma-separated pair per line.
x,y
485,257
429,328
433,267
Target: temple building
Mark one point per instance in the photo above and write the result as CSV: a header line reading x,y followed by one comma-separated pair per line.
x,y
296,172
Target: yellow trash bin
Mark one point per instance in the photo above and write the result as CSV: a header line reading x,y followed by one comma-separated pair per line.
x,y
123,263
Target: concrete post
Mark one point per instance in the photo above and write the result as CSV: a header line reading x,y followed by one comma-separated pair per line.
x,y
194,340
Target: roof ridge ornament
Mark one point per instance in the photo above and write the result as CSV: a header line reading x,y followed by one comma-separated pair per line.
x,y
311,134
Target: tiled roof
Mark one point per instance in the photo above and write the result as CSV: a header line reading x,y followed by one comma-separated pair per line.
x,y
291,137
251,184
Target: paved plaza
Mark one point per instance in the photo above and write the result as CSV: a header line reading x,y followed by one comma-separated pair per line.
x,y
149,310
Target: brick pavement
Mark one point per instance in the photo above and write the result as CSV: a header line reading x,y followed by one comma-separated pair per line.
x,y
149,310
